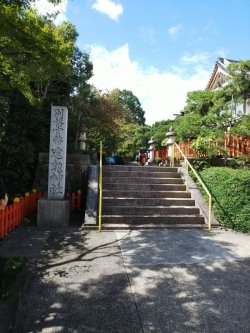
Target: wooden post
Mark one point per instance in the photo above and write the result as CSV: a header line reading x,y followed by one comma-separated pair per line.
x,y
2,219
73,202
79,193
6,221
232,150
16,205
242,146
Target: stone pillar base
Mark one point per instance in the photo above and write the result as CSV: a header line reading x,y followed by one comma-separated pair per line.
x,y
53,212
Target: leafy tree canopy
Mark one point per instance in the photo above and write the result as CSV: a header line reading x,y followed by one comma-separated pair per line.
x,y
159,129
33,51
188,127
39,65
130,104
240,81
23,3
105,120
199,102
134,137
242,127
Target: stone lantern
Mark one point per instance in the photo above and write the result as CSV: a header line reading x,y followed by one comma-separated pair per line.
x,y
171,135
151,149
83,137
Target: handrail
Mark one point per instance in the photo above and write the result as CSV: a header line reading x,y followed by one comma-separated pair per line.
x,y
100,191
186,165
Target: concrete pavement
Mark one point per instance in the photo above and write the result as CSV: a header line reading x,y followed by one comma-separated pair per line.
x,y
171,280
189,280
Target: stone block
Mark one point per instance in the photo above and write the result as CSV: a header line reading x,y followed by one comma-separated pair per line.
x,y
91,211
53,212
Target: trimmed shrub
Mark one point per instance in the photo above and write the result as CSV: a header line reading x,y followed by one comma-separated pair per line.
x,y
10,268
230,189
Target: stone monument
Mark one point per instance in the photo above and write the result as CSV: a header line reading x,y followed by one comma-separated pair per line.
x,y
151,149
55,209
83,137
170,144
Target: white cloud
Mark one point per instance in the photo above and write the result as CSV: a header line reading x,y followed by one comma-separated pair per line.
x,y
161,93
197,58
175,30
204,58
108,7
44,7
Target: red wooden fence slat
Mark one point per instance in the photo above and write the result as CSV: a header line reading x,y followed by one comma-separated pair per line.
x,y
236,145
2,219
12,215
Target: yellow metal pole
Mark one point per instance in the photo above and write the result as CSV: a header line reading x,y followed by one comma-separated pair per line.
x,y
187,187
210,213
100,191
173,155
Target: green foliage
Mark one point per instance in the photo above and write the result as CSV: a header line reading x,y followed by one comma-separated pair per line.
x,y
159,130
10,268
130,104
39,66
240,80
133,138
200,163
109,121
243,218
204,146
208,146
242,127
231,191
141,136
34,53
83,98
208,112
82,71
199,102
23,134
188,127
24,3
105,120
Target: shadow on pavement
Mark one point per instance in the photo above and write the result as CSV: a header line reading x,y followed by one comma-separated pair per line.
x,y
80,284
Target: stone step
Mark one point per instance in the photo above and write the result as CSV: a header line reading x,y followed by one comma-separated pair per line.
x,y
142,180
138,168
156,219
147,197
140,226
150,210
121,201
145,187
145,194
155,174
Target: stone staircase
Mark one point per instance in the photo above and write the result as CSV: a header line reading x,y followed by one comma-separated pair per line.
x,y
146,197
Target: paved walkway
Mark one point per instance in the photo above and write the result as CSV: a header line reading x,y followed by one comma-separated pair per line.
x,y
173,280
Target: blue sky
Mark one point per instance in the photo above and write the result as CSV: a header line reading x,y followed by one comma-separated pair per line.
x,y
158,49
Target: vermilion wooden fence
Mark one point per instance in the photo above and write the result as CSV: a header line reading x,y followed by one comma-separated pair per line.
x,y
75,200
234,145
13,215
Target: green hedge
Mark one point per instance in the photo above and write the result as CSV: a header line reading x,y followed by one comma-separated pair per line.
x,y
231,191
9,269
